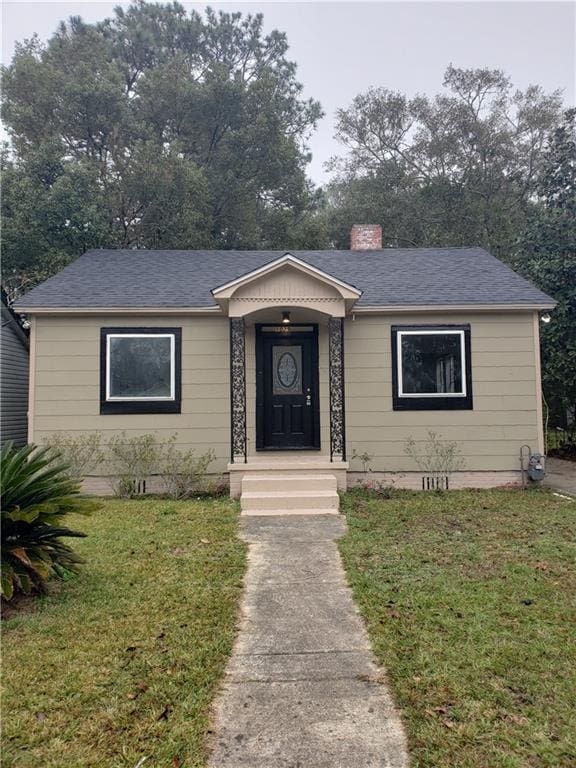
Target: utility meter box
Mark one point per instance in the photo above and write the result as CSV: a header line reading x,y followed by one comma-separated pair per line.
x,y
536,467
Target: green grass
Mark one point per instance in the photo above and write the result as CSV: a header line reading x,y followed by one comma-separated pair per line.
x,y
469,599
122,662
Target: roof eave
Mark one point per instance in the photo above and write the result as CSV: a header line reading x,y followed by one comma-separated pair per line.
x,y
386,309
356,309
214,310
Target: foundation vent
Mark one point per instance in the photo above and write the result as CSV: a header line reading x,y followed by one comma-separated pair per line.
x,y
435,483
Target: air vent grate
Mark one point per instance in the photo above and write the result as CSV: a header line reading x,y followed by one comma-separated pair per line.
x,y
435,482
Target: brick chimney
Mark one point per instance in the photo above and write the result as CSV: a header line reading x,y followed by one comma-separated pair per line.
x,y
366,237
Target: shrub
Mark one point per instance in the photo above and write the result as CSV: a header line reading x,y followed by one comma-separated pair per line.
x,y
364,458
182,472
216,487
438,458
36,494
369,485
82,453
131,461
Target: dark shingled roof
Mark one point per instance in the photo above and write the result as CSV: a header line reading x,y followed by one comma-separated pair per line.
x,y
394,276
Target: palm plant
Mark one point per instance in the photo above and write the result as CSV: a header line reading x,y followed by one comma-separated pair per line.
x,y
35,495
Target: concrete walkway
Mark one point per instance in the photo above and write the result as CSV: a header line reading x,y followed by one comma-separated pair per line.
x,y
561,475
302,689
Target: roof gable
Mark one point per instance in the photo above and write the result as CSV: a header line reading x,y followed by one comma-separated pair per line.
x,y
286,280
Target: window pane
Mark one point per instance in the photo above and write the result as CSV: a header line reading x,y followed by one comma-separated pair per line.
x,y
140,367
431,364
287,370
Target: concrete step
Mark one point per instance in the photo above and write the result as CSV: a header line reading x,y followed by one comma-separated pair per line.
x,y
289,501
287,511
260,483
283,465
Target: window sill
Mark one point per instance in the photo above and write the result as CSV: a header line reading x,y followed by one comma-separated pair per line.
x,y
152,406
433,403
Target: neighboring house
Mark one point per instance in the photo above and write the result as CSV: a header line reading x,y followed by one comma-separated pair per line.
x,y
13,377
288,362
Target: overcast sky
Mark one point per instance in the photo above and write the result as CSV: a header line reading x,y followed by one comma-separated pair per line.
x,y
344,48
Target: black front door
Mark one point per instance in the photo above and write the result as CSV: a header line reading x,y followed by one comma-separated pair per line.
x,y
287,407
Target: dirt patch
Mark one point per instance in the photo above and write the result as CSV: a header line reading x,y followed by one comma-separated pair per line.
x,y
19,605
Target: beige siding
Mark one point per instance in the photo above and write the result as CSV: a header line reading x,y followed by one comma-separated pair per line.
x,y
504,385
504,364
67,391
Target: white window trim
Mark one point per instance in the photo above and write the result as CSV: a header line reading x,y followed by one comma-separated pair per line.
x,y
119,399
401,392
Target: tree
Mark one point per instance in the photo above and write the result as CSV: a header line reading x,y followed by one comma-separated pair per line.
x,y
546,254
51,212
457,169
154,128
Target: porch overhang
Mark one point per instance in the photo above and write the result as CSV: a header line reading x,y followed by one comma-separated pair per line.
x,y
286,282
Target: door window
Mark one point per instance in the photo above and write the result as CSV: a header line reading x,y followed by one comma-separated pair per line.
x,y
286,370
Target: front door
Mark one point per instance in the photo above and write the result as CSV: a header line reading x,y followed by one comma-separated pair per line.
x,y
287,403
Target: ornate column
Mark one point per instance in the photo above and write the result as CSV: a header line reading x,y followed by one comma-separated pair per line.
x,y
237,391
336,365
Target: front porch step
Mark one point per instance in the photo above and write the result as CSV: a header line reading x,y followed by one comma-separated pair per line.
x,y
270,493
287,473
290,500
287,511
272,482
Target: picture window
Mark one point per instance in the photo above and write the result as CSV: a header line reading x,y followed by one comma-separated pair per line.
x,y
431,367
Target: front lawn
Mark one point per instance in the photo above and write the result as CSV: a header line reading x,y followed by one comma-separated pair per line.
x,y
119,665
469,599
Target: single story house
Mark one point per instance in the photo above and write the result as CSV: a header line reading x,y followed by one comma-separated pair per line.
x,y
13,377
290,364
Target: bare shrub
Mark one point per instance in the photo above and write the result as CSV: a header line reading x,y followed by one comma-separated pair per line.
x,y
82,453
131,461
182,472
364,458
436,458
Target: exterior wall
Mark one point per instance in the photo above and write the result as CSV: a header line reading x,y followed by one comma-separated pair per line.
x,y
504,383
14,381
66,394
67,384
